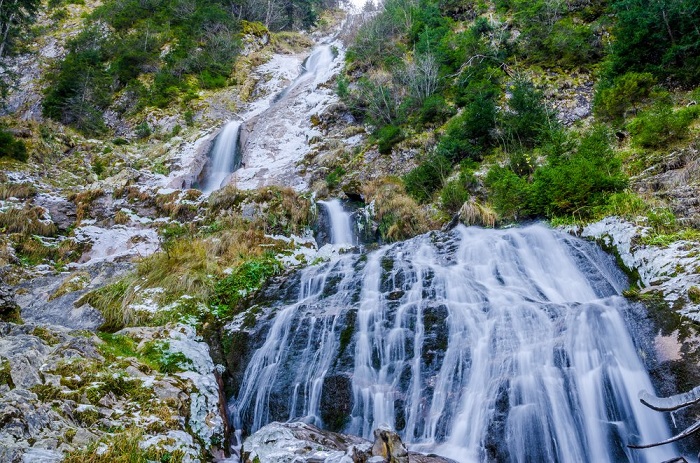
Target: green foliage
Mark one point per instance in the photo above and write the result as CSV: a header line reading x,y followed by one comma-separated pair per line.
x,y
247,278
468,135
143,130
510,194
660,37
573,183
612,100
435,110
387,137
11,147
333,178
661,125
528,122
427,178
200,38
552,37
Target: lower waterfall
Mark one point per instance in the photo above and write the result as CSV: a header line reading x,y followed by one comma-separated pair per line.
x,y
478,345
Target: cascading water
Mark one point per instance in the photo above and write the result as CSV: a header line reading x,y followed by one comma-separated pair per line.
x,y
315,66
340,222
224,157
479,345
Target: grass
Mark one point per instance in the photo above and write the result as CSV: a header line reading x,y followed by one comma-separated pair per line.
x,y
399,216
27,221
124,447
17,190
154,354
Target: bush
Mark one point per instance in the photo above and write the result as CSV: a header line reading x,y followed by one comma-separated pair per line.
x,y
510,193
574,183
427,178
468,135
661,125
387,137
528,121
612,101
11,147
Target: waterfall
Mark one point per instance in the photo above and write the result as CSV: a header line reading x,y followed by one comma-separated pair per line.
x,y
315,66
340,222
479,345
224,157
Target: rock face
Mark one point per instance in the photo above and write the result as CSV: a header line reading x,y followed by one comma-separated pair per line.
x,y
668,270
9,309
304,443
62,390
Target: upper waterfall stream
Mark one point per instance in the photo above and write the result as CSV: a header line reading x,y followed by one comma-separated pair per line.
x,y
225,157
479,345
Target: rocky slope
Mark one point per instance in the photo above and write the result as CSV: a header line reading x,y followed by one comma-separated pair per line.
x,y
82,214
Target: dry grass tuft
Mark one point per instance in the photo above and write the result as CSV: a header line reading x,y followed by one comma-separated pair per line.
x,y
83,201
27,221
399,216
474,213
17,190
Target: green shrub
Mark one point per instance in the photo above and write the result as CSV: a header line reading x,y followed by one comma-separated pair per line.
x,y
661,125
468,135
528,121
434,110
245,279
11,147
510,194
427,178
612,100
387,137
333,178
453,195
212,80
143,130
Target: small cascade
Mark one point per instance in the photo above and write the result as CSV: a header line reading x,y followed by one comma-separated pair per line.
x,y
224,159
340,222
479,345
315,66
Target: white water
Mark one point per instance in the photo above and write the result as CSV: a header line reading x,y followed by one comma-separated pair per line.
x,y
480,345
340,221
224,157
275,140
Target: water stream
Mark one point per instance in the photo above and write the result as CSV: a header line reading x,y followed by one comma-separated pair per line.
x,y
224,159
479,345
340,222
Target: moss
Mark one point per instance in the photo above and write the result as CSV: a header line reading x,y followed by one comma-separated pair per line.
x,y
45,335
74,282
347,333
694,294
5,373
47,392
87,416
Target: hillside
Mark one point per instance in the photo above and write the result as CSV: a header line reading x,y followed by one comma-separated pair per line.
x,y
135,297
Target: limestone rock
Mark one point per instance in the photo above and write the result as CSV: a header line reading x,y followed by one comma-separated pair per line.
x,y
304,443
388,444
9,309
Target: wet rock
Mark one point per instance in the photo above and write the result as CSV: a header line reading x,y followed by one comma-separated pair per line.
x,y
304,443
301,442
388,445
49,301
336,401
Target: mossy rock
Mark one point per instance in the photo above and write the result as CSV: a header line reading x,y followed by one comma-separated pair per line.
x,y
694,294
